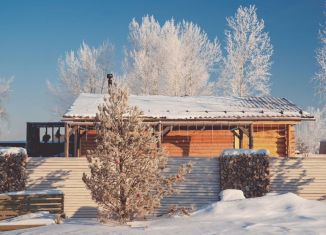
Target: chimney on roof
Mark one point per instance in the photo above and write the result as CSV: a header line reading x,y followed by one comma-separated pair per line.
x,y
109,76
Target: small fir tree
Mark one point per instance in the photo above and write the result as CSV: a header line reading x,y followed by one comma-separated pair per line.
x,y
126,177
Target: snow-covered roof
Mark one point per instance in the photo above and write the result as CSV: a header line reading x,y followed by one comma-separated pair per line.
x,y
195,107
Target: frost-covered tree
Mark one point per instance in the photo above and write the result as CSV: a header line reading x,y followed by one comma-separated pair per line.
x,y
247,64
4,95
320,76
81,71
309,134
173,59
126,177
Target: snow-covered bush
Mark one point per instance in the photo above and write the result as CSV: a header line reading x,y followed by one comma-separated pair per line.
x,y
12,169
247,171
126,177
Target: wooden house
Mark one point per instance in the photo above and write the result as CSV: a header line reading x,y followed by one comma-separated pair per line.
x,y
197,126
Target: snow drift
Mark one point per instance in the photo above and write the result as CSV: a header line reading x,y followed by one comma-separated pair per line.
x,y
272,214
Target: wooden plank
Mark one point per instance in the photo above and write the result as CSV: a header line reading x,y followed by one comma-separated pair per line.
x,y
4,228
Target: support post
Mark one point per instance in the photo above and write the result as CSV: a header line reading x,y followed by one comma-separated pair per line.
x,y
160,134
251,136
75,141
52,137
78,142
240,138
67,140
288,141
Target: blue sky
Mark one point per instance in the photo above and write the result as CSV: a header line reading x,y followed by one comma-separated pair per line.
x,y
34,34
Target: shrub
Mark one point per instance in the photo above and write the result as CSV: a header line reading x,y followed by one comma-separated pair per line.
x,y
247,171
12,169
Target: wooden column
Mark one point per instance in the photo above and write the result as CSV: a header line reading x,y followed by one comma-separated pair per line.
x,y
241,139
290,149
251,136
67,130
52,137
78,142
160,134
75,141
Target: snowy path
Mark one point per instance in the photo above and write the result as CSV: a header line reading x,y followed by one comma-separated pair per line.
x,y
280,214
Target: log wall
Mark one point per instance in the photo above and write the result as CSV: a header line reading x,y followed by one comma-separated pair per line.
x,y
206,143
271,137
87,141
279,139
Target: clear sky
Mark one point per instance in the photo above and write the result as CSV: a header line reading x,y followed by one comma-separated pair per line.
x,y
34,34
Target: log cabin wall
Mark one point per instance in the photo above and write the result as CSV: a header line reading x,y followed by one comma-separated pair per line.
x,y
87,141
291,140
197,143
271,137
279,139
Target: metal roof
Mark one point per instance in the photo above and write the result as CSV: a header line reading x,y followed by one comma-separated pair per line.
x,y
196,107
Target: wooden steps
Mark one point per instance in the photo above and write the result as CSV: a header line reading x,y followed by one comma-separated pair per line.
x,y
66,175
304,177
200,188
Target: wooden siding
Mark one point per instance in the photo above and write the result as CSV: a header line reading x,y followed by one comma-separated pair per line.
x,y
206,143
66,175
305,177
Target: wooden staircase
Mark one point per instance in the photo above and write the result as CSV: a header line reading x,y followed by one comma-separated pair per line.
x,y
200,188
66,175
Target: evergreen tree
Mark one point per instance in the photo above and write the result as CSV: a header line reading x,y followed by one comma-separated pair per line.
x,y
126,177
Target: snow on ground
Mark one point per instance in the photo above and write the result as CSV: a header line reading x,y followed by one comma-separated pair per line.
x,y
272,214
237,152
43,217
231,195
12,150
26,192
